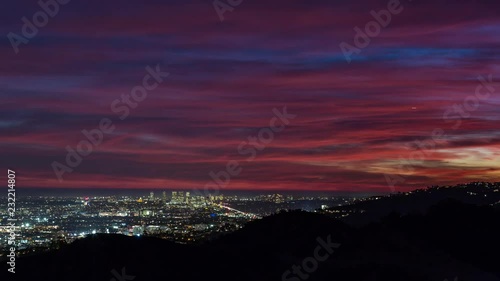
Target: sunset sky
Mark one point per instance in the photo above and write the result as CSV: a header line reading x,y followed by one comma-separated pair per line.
x,y
355,122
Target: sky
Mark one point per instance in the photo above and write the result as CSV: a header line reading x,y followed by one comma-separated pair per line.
x,y
408,109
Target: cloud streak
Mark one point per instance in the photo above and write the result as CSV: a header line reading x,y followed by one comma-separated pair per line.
x,y
225,77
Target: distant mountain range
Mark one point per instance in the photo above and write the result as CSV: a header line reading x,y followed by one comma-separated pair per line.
x,y
432,235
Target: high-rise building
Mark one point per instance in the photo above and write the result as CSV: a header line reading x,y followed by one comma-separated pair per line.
x,y
175,197
197,201
180,197
151,195
164,196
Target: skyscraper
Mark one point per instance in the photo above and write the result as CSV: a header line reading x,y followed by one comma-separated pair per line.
x,y
178,197
174,197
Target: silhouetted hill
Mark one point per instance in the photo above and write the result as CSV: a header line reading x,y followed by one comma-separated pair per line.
x,y
451,239
466,231
418,201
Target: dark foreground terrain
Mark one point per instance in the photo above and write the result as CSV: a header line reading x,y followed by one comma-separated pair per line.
x,y
450,240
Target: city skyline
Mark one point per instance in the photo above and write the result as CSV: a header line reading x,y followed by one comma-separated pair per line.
x,y
48,222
